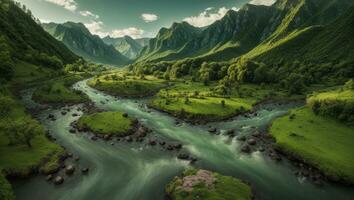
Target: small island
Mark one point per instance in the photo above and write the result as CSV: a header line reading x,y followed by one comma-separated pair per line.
x,y
120,84
107,123
207,185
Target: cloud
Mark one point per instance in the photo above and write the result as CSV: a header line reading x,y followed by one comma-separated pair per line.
x,y
208,16
131,31
96,28
87,13
149,17
67,4
262,2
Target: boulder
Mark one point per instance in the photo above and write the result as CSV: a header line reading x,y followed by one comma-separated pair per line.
x,y
183,156
230,132
177,146
129,139
169,147
162,143
74,115
212,130
246,149
72,131
58,180
49,177
241,138
63,112
107,137
70,169
94,138
125,115
252,141
85,170
152,142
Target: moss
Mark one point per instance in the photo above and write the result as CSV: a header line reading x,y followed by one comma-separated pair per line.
x,y
107,123
224,188
313,138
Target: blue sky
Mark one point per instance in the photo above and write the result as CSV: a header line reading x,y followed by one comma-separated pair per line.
x,y
137,18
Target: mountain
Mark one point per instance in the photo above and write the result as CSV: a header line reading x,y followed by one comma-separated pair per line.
x,y
315,44
169,41
79,40
127,45
238,32
143,41
26,40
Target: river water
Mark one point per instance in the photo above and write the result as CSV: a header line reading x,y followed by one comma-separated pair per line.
x,y
137,171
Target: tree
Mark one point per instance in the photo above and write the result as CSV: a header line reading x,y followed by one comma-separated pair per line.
x,y
223,103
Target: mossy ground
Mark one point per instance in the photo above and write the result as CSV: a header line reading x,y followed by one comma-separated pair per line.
x,y
107,123
322,142
123,85
20,158
225,188
60,91
205,103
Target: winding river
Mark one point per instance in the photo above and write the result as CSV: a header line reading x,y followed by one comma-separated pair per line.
x,y
137,171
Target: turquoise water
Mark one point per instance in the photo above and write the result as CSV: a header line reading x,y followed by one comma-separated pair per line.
x,y
138,171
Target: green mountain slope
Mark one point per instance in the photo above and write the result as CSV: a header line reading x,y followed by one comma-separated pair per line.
x,y
317,44
26,38
239,32
79,39
126,45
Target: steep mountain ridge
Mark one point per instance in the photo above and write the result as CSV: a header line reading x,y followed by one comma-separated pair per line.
x,y
240,31
79,39
126,45
14,22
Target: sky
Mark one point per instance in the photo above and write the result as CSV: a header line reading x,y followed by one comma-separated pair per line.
x,y
136,18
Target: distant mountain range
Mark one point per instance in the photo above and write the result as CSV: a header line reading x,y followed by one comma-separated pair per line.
x,y
251,31
127,45
80,41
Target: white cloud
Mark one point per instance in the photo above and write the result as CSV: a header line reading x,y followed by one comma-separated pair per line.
x,y
67,4
131,31
149,17
87,13
96,28
262,2
208,16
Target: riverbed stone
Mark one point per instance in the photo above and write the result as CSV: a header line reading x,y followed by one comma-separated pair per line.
x,y
85,170
183,156
49,177
58,180
241,138
70,169
252,141
72,131
246,149
212,130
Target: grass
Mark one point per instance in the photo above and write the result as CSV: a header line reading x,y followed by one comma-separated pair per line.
x,y
127,85
60,91
205,103
322,142
225,188
107,123
19,158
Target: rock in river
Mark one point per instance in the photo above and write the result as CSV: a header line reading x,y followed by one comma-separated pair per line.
x,y
69,170
252,141
58,180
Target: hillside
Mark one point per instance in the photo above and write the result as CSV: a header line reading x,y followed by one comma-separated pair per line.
x,y
126,45
79,40
240,31
35,46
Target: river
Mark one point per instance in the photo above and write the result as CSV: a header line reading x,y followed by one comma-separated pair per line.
x,y
137,171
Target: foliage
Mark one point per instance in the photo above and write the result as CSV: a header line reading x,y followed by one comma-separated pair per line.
x,y
6,192
337,104
60,91
107,123
314,139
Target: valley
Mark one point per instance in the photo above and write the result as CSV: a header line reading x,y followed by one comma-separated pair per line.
x,y
236,103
